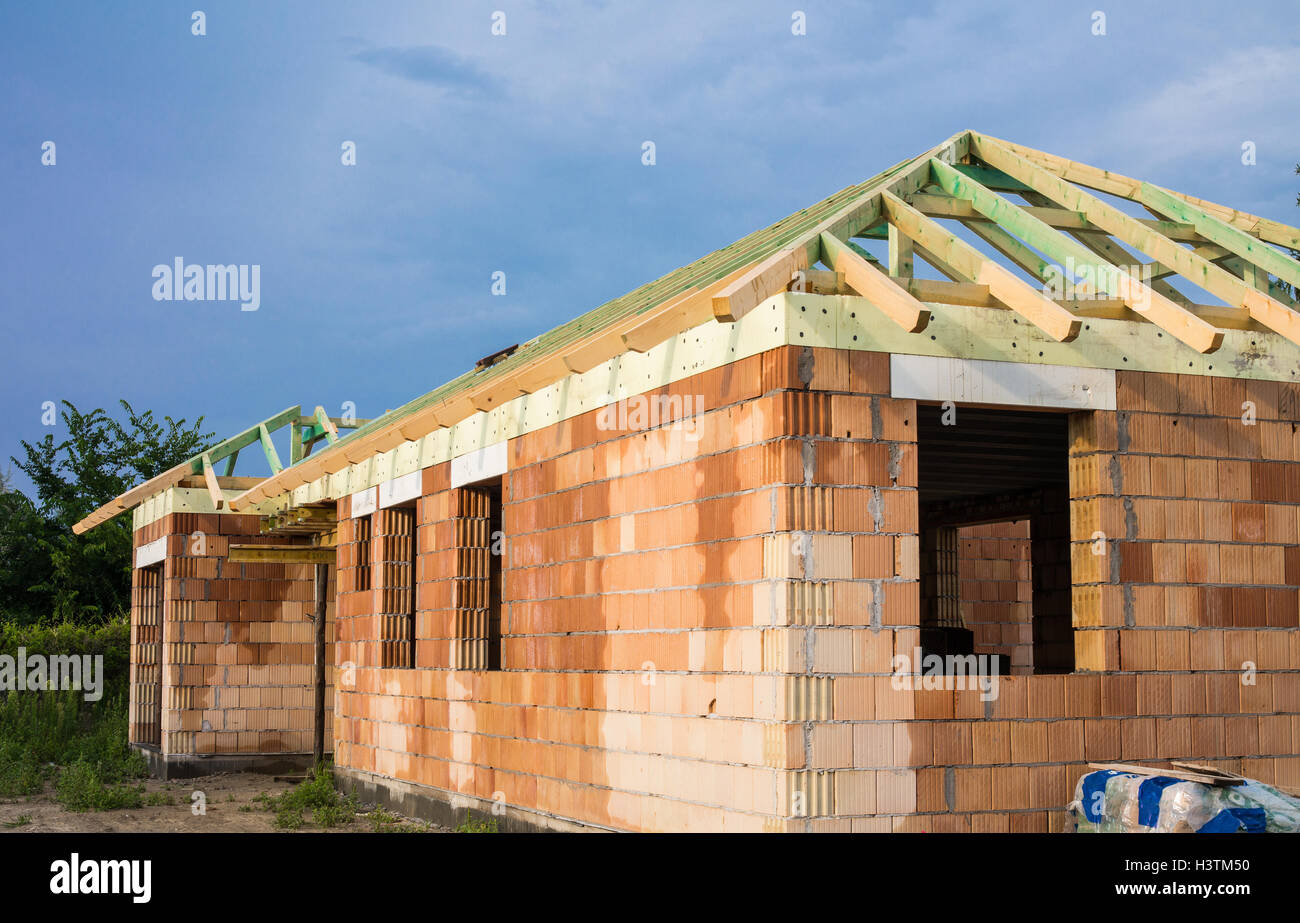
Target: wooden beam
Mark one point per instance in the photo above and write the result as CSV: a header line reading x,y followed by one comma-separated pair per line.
x,y
1214,279
862,212
1128,188
281,554
1045,314
900,254
1176,320
268,447
326,425
947,206
971,294
771,275
214,489
1236,241
881,290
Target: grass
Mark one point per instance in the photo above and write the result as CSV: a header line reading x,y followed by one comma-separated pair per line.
x,y
477,825
317,794
58,736
21,821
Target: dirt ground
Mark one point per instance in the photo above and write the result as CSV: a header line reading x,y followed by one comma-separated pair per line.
x,y
230,809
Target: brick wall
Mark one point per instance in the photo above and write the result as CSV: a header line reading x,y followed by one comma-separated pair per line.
x,y
996,591
237,643
698,634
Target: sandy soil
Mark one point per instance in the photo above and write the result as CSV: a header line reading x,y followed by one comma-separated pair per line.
x,y
226,793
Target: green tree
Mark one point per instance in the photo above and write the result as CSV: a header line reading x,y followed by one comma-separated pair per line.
x,y
88,577
24,563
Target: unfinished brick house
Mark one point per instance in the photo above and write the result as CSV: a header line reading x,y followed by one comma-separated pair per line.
x,y
661,567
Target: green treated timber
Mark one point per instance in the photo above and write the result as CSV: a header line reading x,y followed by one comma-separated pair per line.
x,y
1018,222
1177,320
1225,235
272,457
1198,270
865,254
246,438
325,424
230,462
1021,297
990,177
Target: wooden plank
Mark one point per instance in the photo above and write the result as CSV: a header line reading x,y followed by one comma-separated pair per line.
x,y
947,206
1249,248
1043,313
327,425
1201,777
230,463
900,254
1214,279
1128,188
281,554
967,293
771,275
210,478
272,457
1178,321
884,292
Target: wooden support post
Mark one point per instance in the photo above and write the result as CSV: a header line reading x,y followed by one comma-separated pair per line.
x,y
318,730
900,254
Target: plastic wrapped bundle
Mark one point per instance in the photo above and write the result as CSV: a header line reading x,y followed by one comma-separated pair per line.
x,y
1111,801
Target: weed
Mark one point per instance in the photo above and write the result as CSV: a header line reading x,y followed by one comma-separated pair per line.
x,y
481,825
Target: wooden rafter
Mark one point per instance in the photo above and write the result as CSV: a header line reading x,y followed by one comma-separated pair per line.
x,y
1175,319
948,206
772,275
1026,301
882,290
1128,188
1200,271
1221,233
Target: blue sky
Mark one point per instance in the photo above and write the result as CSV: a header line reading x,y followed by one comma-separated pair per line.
x,y
522,153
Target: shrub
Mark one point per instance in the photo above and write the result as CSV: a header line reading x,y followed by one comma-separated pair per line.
x,y
86,786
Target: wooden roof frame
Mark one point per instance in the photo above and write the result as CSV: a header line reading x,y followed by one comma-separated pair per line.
x,y
967,179
304,432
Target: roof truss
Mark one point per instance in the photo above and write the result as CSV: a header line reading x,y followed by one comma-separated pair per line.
x,y
1059,255
304,433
